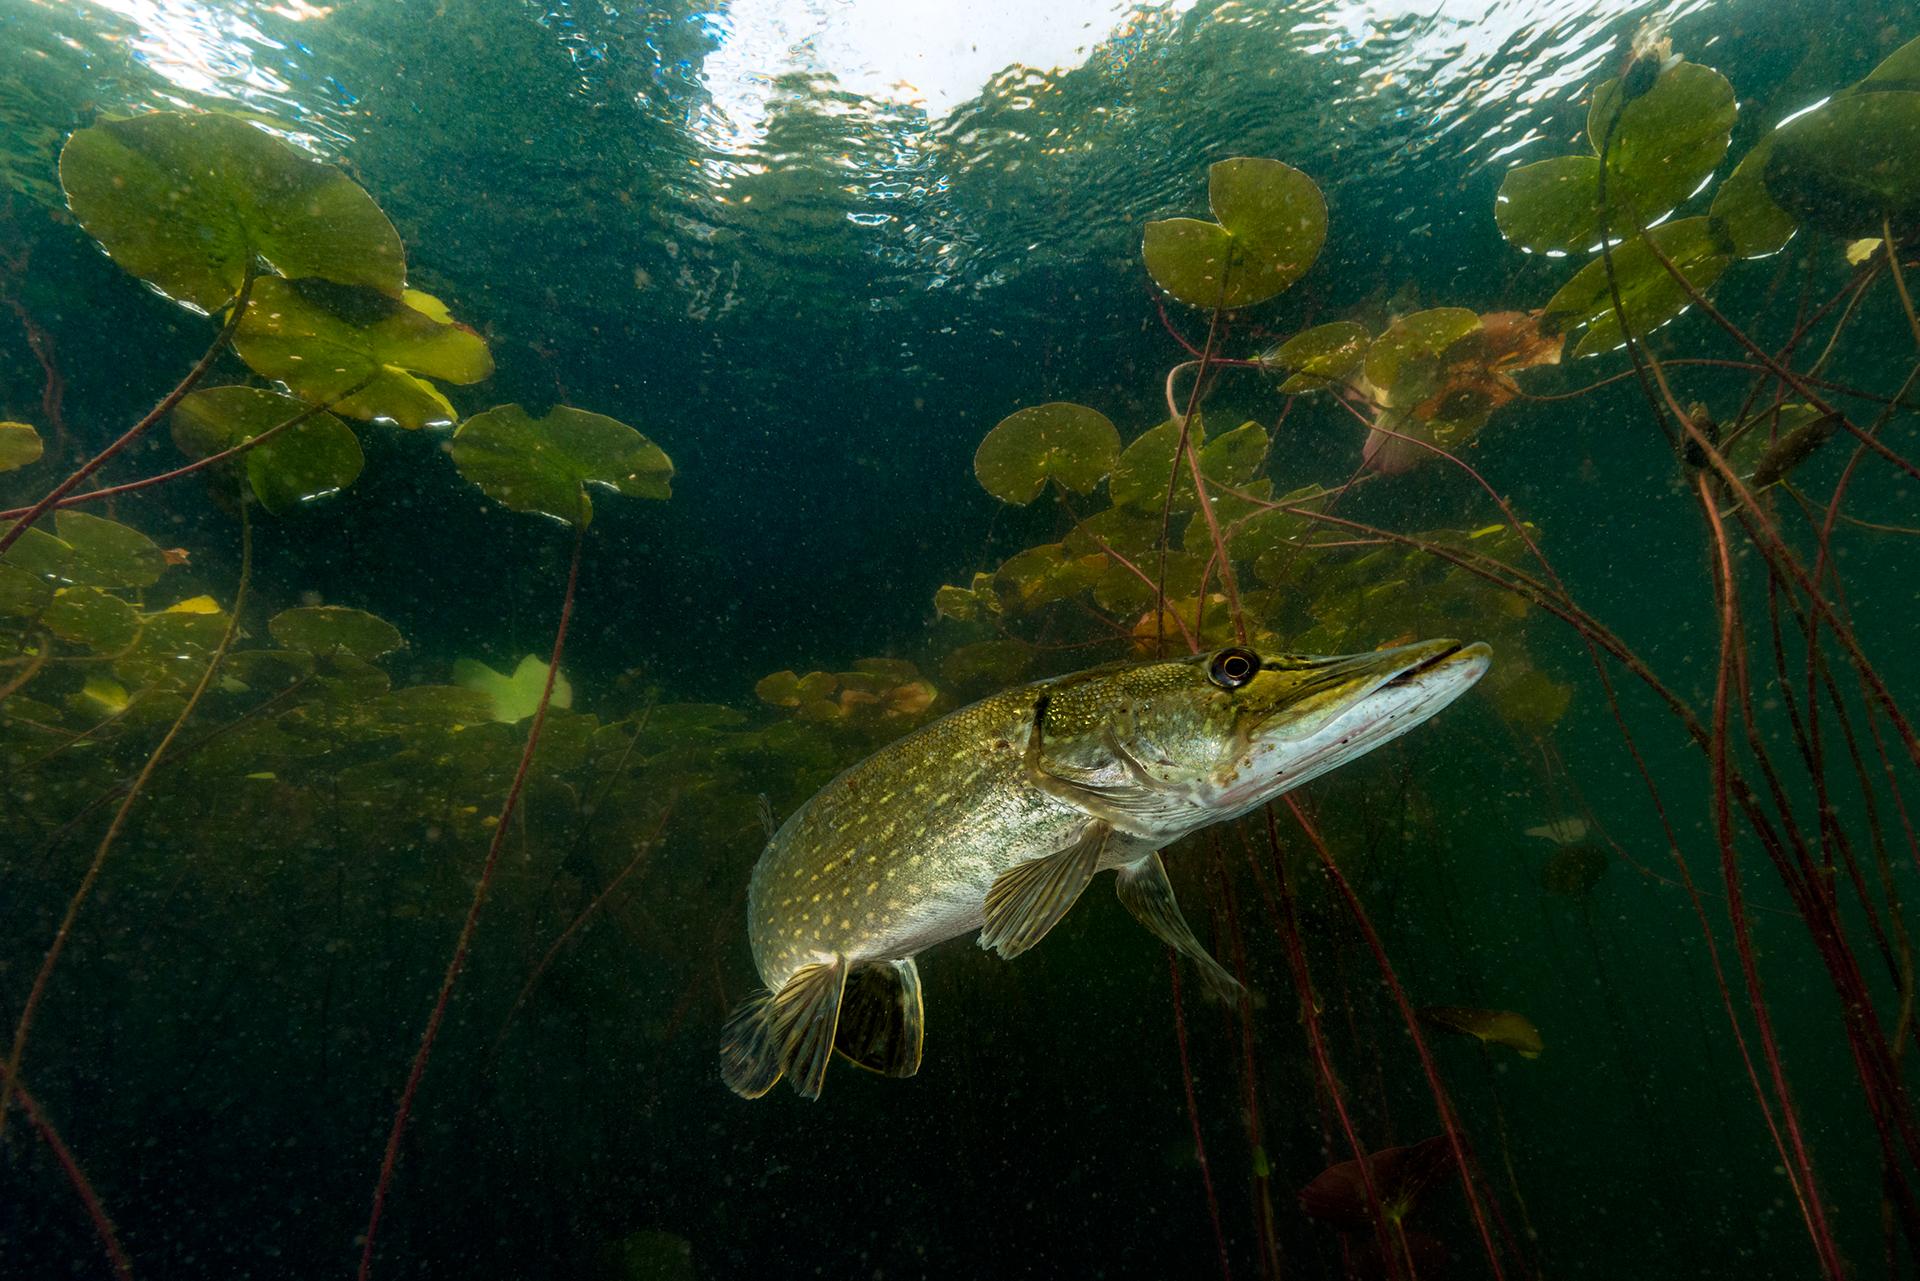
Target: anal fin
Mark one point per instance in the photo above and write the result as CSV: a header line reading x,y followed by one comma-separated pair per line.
x,y
1147,895
882,1021
786,1033
1028,899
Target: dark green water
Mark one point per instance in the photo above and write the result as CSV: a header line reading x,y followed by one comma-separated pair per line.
x,y
817,292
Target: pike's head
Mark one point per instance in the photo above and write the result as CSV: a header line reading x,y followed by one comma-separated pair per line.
x,y
1163,748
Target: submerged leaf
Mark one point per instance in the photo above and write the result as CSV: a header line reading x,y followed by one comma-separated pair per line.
x,y
358,351
1271,222
19,445
1405,362
328,629
105,553
1489,1027
88,616
1574,871
187,200
548,464
315,457
1651,296
517,697
1072,445
1338,1194
1319,358
1753,224
1851,163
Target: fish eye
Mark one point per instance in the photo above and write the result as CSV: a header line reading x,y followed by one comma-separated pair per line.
x,y
1233,668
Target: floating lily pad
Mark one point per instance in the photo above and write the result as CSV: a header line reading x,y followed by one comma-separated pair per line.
x,y
1270,223
1489,1027
318,456
105,553
88,616
324,340
1664,145
968,604
1072,445
1318,358
187,200
1139,480
1851,163
1405,362
19,445
1650,295
1747,216
548,464
330,629
517,697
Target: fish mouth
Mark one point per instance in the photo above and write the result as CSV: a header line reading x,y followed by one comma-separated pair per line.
x,y
1363,700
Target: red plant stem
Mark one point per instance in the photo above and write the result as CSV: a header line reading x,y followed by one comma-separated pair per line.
x,y
461,945
134,432
201,464
1173,472
81,892
1449,1121
574,926
1806,1188
1193,1116
1316,1035
82,1187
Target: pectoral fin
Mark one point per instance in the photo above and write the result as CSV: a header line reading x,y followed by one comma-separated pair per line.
x,y
882,1023
1027,900
789,1032
1147,894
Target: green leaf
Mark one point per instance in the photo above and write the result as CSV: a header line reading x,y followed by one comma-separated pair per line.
x,y
1140,478
105,553
1236,457
1753,224
1489,1027
1664,145
1271,222
1318,358
1900,70
326,629
22,595
306,461
19,445
1070,444
1041,575
547,464
1650,295
323,341
1405,362
1551,206
88,616
517,697
186,201
1851,163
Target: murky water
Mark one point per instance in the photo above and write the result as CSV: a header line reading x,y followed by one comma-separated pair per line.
x,y
705,347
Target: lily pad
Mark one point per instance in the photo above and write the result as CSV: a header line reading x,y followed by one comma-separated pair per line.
x,y
88,616
22,595
105,553
1900,69
318,456
1664,145
1574,871
1852,162
1041,575
1747,216
1318,358
1270,223
1650,295
517,697
1489,1027
328,629
548,464
1072,445
1338,1194
1405,362
186,201
19,445
325,340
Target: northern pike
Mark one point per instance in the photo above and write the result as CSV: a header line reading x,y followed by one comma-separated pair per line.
x,y
997,816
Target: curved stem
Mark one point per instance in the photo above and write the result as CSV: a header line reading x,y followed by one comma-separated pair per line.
x,y
40,980
134,432
464,942
82,1186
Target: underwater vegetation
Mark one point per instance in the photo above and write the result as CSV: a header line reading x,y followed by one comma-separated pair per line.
x,y
415,808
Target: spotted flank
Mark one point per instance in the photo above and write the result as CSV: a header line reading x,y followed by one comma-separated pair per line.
x,y
997,817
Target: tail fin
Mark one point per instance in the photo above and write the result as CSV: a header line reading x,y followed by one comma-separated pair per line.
x,y
789,1031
